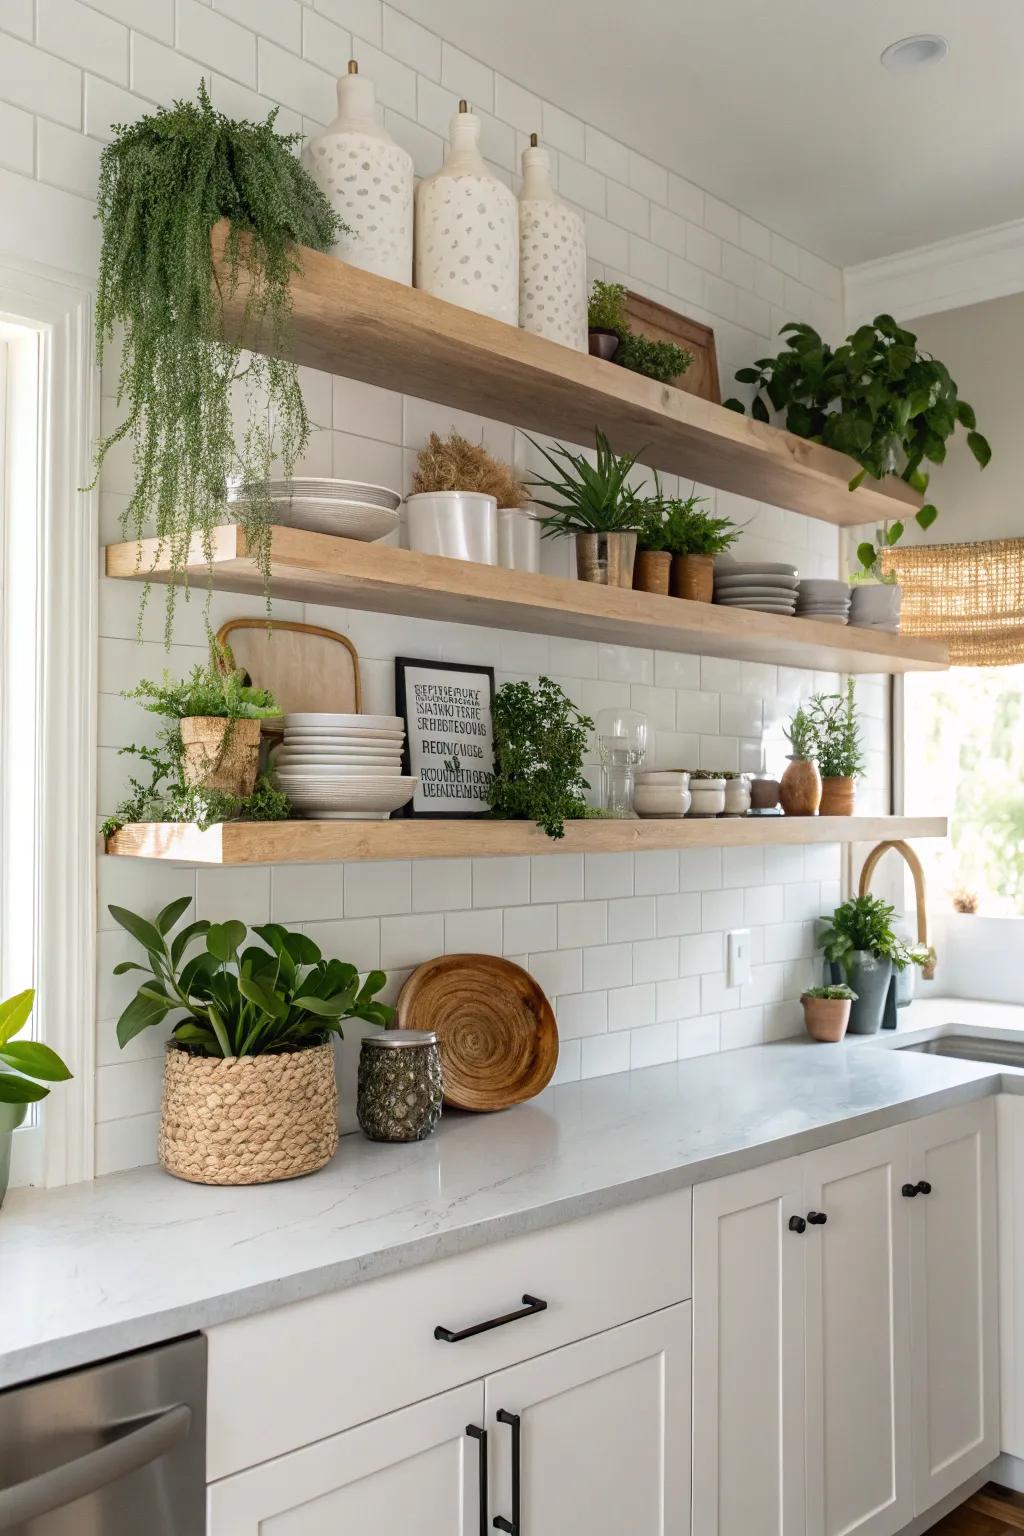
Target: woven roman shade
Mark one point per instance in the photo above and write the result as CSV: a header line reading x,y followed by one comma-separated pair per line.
x,y
969,595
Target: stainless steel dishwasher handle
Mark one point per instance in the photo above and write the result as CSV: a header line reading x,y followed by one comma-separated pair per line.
x,y
87,1474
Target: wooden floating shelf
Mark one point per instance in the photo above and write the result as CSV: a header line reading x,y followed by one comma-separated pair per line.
x,y
342,573
364,327
307,842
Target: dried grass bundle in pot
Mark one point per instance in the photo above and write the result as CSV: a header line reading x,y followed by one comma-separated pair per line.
x,y
457,488
453,463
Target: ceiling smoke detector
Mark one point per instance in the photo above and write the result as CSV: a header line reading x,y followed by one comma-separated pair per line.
x,y
913,52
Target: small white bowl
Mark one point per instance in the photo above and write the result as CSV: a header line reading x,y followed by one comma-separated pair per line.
x,y
662,800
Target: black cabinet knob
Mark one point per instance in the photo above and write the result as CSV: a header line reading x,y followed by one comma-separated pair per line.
x,y
923,1187
817,1218
909,1191
797,1224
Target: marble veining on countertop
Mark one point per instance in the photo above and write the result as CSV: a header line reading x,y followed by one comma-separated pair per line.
x,y
134,1258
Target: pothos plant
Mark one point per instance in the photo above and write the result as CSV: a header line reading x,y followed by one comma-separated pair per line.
x,y
165,180
539,741
878,398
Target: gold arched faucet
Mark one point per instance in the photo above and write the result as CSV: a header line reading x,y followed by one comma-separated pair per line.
x,y
914,864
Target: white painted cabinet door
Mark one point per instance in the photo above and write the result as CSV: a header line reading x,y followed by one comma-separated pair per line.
x,y
859,1477
412,1471
604,1433
748,1354
954,1300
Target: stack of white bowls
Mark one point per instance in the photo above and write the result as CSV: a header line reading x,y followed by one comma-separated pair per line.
x,y
823,599
338,767
876,607
765,585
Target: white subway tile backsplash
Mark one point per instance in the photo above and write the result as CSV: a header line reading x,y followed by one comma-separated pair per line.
x,y
605,1054
655,959
442,885
305,892
378,889
744,1026
517,106
414,45
631,917
562,130
163,75
299,83
557,877
607,155
700,869
607,967
582,1013
678,914
628,209
406,941
651,1046
581,923
84,37
679,999
698,1037
501,882
355,940
631,1006
608,874
529,928
217,40
558,971
40,83
700,953
721,909
233,893
473,932
17,142
656,872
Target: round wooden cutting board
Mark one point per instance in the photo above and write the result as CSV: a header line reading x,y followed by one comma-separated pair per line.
x,y
496,1031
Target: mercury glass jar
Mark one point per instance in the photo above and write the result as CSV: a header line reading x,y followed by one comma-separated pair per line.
x,y
399,1085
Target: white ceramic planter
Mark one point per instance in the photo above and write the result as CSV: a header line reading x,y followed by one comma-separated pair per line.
x,y
737,797
877,606
460,524
552,257
661,794
518,539
707,797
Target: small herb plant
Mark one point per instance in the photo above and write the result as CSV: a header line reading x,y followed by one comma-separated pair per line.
x,y
592,498
660,360
278,995
836,730
165,180
801,737
877,398
606,307
34,1064
539,741
837,994
690,531
215,689
863,923
455,464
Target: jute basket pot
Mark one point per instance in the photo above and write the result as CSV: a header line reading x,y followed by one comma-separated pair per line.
x,y
248,1119
221,754
651,571
838,797
693,577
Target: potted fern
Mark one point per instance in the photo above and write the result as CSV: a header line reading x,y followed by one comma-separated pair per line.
x,y
694,538
653,565
596,506
800,785
34,1065
837,748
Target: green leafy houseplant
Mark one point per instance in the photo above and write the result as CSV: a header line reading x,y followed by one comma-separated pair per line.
x,y
592,498
878,398
278,995
539,741
33,1063
837,994
208,690
836,734
864,923
801,736
165,180
690,531
606,307
660,360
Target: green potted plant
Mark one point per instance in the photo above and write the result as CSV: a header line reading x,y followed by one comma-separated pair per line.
x,y
249,1086
612,337
694,538
827,1011
596,506
606,318
837,748
653,565
539,741
800,785
165,181
877,398
34,1065
861,946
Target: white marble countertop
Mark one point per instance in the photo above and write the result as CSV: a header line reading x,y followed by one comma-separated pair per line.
x,y
134,1258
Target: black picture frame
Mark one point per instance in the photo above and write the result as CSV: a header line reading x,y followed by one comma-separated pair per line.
x,y
413,736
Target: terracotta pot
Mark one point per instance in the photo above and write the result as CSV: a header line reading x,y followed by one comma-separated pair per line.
x,y
606,558
604,344
800,788
826,1018
693,576
221,754
764,794
652,570
838,797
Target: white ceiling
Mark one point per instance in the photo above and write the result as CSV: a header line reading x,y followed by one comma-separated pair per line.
x,y
781,107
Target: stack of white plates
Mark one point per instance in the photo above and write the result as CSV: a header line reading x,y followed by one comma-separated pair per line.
x,y
765,585
825,600
346,508
335,767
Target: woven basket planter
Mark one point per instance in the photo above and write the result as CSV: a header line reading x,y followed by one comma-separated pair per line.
x,y
221,754
248,1119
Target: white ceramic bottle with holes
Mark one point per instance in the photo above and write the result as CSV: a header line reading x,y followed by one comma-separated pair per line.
x,y
467,229
552,257
368,179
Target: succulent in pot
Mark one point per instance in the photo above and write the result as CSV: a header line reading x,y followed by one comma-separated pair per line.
x,y
597,506
863,949
457,491
827,1011
694,538
34,1065
249,1086
800,785
837,748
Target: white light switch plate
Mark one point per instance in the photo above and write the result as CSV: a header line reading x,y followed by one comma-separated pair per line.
x,y
738,957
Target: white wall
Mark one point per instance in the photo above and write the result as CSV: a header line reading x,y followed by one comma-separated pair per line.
x,y
629,947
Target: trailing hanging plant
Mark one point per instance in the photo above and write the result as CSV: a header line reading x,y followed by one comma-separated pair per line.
x,y
539,741
165,180
876,398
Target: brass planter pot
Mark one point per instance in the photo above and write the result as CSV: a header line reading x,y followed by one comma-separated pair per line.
x,y
838,797
221,754
693,577
800,788
826,1018
652,571
606,559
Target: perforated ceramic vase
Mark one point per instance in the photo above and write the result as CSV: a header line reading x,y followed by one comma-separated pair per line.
x,y
368,179
552,257
467,230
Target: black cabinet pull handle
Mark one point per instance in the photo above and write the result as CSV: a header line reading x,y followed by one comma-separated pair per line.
x,y
817,1218
511,1527
797,1224
923,1187
531,1304
480,1436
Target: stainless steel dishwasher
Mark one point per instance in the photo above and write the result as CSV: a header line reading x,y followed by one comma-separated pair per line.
x,y
117,1449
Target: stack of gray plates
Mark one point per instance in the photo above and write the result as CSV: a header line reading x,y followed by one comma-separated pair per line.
x,y
765,585
823,599
349,509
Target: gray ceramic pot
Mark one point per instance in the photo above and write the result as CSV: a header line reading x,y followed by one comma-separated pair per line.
x,y
11,1116
869,977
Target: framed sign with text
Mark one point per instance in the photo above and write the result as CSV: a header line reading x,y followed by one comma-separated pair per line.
x,y
449,734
